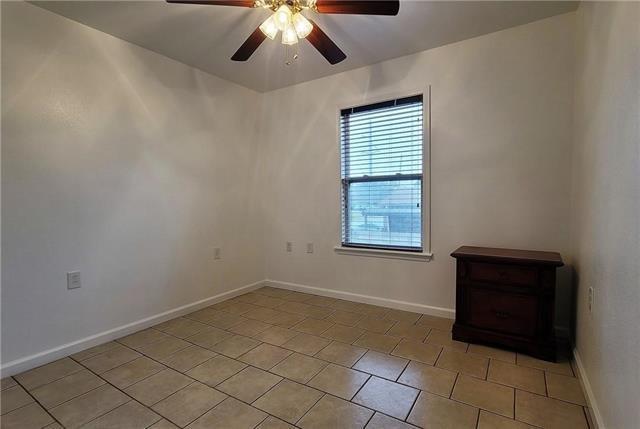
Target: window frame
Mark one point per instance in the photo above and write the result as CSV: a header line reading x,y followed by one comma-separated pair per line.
x,y
393,252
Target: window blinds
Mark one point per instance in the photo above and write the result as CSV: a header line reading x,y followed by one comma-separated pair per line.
x,y
381,163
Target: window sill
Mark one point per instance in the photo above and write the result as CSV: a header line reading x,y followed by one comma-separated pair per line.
x,y
383,253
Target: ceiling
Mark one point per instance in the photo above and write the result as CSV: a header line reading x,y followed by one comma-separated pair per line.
x,y
205,37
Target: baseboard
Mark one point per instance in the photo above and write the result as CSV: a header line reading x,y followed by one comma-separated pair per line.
x,y
367,299
23,364
596,417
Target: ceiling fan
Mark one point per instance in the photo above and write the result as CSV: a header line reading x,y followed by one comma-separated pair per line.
x,y
288,19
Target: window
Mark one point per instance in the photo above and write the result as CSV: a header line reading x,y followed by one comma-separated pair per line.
x,y
381,167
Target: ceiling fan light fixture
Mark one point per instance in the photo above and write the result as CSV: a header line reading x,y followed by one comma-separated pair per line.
x,y
269,27
289,36
282,17
302,25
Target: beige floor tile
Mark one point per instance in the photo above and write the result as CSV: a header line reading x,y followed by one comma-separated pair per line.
x,y
312,326
53,426
340,353
249,298
224,320
216,370
346,318
269,302
381,364
249,384
565,388
297,296
14,398
299,367
465,363
276,335
274,292
339,381
493,353
249,327
239,308
377,342
380,421
205,315
387,397
548,413
188,358
267,315
47,373
209,337
7,382
181,327
235,346
230,414
409,330
415,350
87,407
288,400
373,310
493,421
482,394
435,412
429,378
111,359
265,356
521,377
29,416
321,301
435,322
164,348
59,391
189,403
287,320
375,324
142,338
163,424
306,310
443,338
331,412
94,351
562,368
306,344
346,334
157,387
273,423
403,316
132,372
350,306
131,415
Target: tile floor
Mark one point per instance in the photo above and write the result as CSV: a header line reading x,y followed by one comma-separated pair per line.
x,y
279,359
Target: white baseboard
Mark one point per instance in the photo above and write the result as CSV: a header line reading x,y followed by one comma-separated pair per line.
x,y
28,362
449,313
596,417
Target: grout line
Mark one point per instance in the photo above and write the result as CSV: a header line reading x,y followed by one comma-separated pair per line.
x,y
35,400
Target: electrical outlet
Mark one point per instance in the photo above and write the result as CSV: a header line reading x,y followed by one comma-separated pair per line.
x,y
73,280
309,247
289,246
591,297
217,253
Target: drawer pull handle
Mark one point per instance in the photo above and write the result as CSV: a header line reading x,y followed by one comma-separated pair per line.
x,y
501,315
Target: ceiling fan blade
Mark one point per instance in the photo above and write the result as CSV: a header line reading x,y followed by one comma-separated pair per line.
x,y
359,7
240,3
249,46
325,45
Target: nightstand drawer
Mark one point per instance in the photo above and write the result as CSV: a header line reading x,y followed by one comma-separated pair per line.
x,y
499,311
504,274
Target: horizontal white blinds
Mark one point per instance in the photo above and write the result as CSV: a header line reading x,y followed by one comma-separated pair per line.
x,y
381,153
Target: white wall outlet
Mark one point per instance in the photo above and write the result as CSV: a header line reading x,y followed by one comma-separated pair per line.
x,y
289,246
217,253
591,297
309,247
73,280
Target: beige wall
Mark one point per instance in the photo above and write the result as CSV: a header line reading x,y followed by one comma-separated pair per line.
x,y
606,209
501,146
122,164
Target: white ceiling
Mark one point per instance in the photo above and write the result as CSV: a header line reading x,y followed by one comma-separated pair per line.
x,y
205,37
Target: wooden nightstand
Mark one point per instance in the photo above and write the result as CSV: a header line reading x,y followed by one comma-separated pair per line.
x,y
506,298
